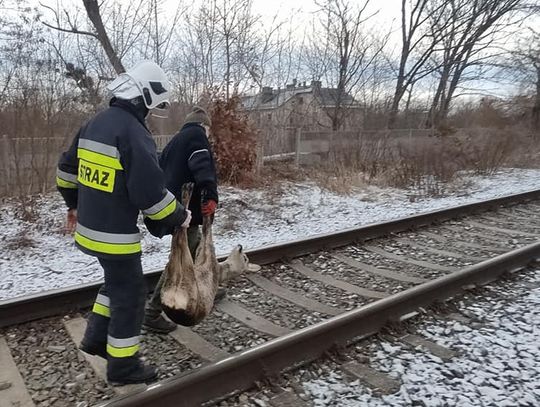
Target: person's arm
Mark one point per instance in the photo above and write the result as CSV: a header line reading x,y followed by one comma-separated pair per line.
x,y
201,164
66,182
66,174
146,186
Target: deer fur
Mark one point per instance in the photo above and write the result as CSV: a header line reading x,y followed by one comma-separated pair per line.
x,y
190,285
236,264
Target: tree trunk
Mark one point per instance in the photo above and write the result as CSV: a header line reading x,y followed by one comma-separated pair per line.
x,y
448,96
228,71
433,119
536,107
398,95
92,9
405,49
337,119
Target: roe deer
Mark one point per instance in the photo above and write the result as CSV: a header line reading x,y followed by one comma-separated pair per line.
x,y
189,286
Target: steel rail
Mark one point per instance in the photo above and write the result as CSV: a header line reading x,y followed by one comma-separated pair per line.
x,y
54,302
242,370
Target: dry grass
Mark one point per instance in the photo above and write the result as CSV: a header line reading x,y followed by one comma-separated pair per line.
x,y
485,153
19,241
341,181
426,165
268,175
26,207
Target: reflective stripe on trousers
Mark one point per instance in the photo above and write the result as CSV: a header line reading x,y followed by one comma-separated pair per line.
x,y
122,347
102,306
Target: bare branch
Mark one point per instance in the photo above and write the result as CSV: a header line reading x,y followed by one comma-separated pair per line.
x,y
70,30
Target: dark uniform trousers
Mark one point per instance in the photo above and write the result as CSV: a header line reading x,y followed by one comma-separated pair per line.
x,y
154,305
116,318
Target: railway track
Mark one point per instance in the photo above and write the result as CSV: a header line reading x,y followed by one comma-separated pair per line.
x,y
459,353
309,296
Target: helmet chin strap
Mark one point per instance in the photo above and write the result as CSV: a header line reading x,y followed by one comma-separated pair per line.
x,y
139,105
159,113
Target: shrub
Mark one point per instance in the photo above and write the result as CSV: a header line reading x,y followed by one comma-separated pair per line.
x,y
485,151
234,141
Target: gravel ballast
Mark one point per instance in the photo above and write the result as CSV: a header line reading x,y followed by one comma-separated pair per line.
x,y
497,362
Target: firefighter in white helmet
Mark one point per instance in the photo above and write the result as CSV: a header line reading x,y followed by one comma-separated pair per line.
x,y
108,175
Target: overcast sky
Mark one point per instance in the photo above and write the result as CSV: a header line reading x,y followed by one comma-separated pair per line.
x,y
386,18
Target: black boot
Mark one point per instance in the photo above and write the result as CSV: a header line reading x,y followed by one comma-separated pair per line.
x,y
94,341
122,371
95,349
157,323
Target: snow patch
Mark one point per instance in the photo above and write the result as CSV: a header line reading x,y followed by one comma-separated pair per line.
x,y
36,256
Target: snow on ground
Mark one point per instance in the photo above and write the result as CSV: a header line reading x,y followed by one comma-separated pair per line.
x,y
37,256
498,362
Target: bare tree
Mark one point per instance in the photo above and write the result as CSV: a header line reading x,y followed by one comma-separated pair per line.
x,y
222,49
126,33
263,50
94,15
342,52
286,62
418,43
160,29
38,106
525,61
194,64
470,29
235,24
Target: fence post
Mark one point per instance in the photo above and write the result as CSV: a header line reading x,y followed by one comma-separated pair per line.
x,y
6,179
298,136
259,157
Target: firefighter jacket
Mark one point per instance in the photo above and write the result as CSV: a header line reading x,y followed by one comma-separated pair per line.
x,y
188,158
111,173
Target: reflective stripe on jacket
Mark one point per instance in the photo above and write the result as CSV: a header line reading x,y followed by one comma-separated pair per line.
x,y
111,173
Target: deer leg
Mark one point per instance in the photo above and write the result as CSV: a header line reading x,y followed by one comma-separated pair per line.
x,y
187,191
194,239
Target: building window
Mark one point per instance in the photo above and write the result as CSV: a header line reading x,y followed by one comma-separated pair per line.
x,y
269,116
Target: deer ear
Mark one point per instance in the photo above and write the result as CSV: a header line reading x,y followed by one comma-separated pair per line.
x,y
253,267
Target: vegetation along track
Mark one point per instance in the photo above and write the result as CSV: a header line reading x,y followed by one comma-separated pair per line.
x,y
309,296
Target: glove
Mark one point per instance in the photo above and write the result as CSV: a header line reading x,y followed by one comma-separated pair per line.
x,y
209,207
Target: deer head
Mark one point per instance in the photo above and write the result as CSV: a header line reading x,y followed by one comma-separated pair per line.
x,y
236,264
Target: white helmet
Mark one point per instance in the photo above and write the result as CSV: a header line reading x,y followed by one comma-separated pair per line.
x,y
145,79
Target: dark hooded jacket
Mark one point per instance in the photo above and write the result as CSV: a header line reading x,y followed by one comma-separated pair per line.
x,y
188,158
109,174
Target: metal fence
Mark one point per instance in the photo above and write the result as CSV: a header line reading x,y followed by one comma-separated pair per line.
x,y
28,165
310,146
